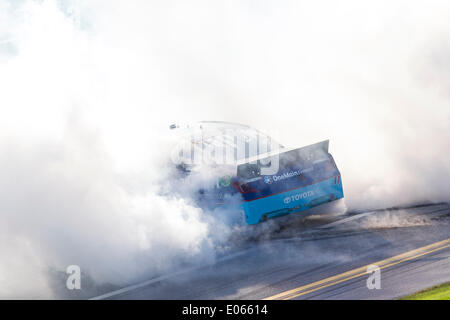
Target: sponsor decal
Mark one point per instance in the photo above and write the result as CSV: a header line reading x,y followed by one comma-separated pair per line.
x,y
224,181
298,196
290,174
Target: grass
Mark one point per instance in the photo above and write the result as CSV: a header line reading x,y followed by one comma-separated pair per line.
x,y
440,292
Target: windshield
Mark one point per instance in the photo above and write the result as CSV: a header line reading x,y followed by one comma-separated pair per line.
x,y
221,142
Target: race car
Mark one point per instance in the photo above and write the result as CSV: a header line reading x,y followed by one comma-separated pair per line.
x,y
268,179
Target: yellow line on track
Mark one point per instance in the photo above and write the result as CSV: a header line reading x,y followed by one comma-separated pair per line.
x,y
361,271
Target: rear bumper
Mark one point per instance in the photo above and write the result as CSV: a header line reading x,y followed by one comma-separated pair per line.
x,y
292,201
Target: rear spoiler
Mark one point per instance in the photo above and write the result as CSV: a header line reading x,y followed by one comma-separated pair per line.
x,y
269,164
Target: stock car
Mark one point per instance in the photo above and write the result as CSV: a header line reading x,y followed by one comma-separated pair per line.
x,y
268,179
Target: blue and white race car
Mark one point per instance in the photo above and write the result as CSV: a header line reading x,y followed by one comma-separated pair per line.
x,y
268,179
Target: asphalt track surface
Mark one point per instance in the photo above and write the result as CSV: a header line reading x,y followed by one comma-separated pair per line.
x,y
321,258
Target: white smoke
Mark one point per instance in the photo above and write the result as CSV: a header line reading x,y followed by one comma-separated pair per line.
x,y
88,89
397,219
